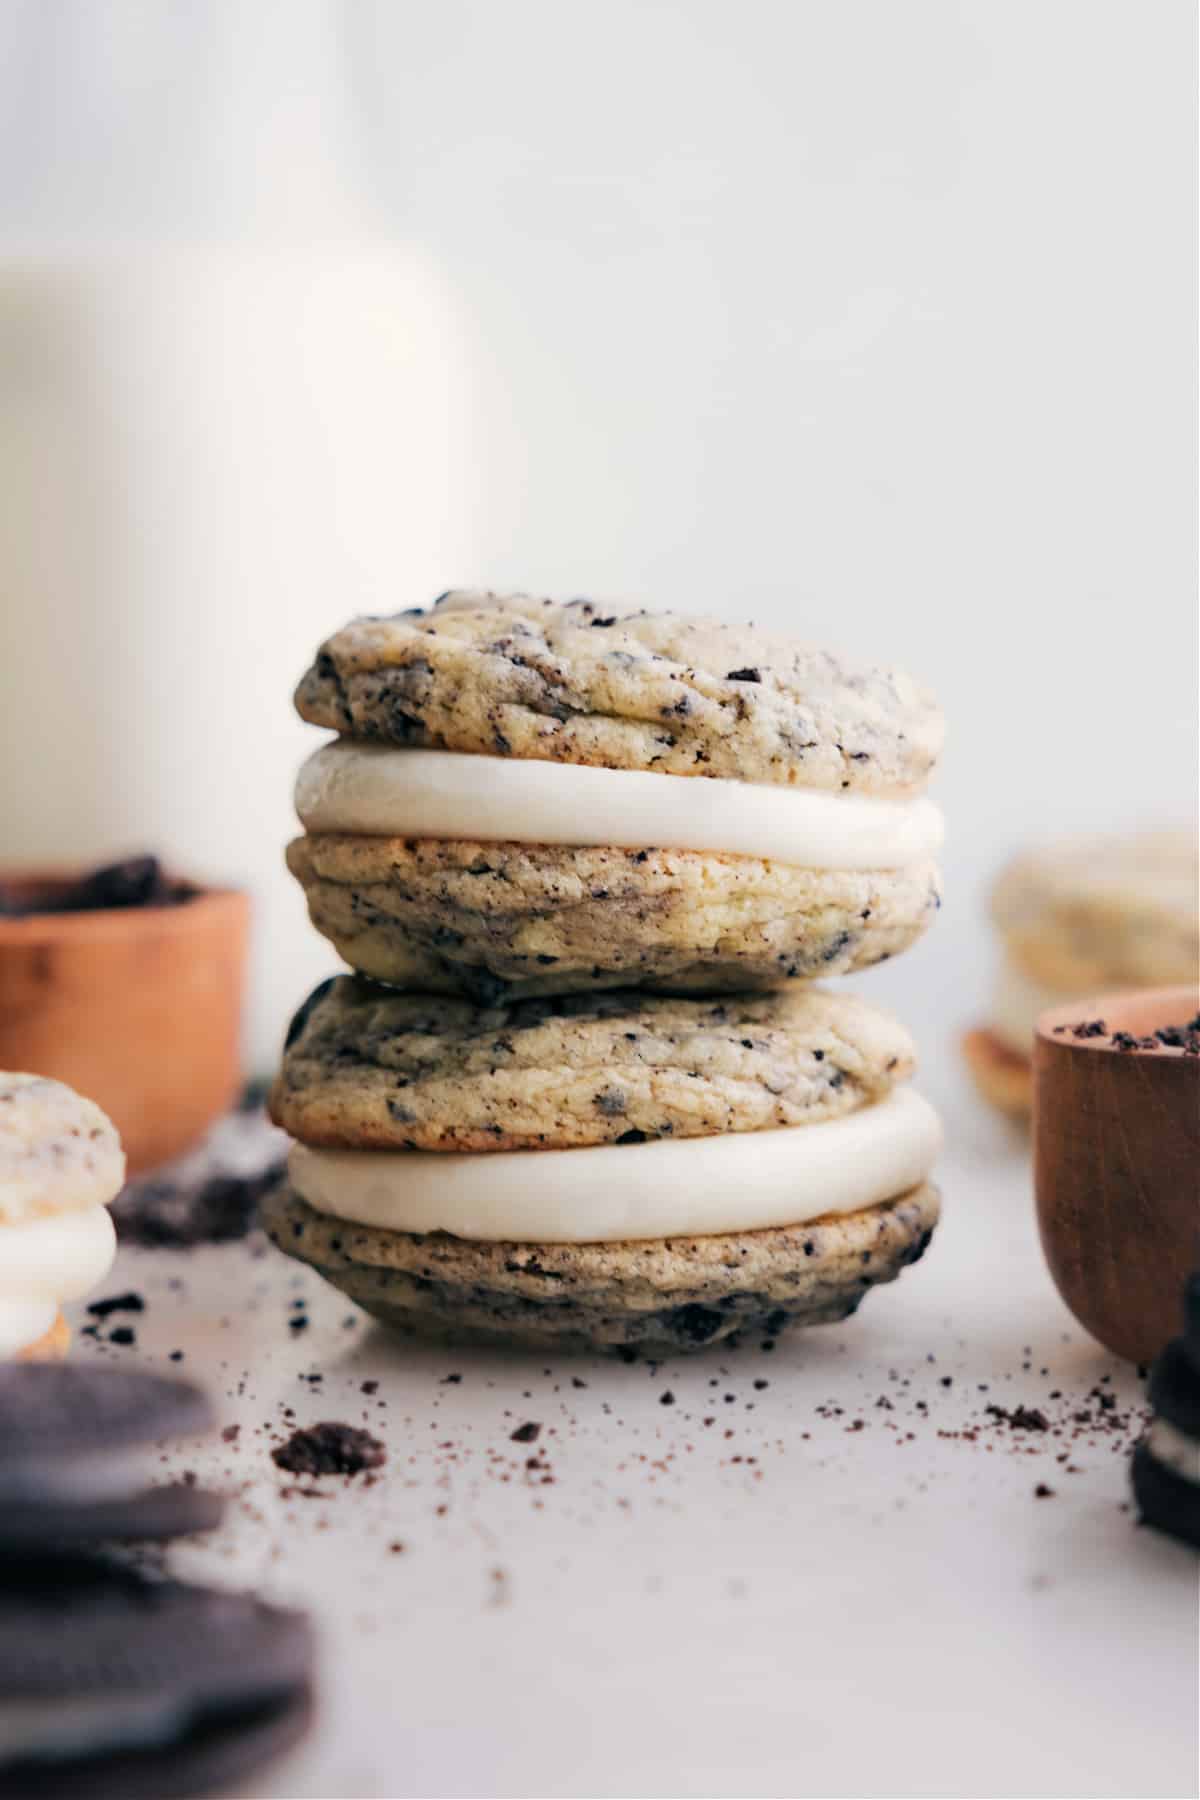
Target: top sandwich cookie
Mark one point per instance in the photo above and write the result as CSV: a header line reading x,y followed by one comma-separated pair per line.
x,y
533,798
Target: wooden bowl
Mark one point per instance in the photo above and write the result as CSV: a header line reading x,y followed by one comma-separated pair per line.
x,y
139,1008
1116,1137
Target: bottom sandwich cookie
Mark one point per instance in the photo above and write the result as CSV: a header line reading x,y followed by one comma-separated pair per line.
x,y
614,1171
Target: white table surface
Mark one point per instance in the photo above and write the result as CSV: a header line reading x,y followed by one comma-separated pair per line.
x,y
773,1603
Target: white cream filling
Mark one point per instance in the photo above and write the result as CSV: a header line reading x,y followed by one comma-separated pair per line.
x,y
23,1322
115,1474
381,791
1018,1001
685,1187
1174,1449
62,1727
56,1257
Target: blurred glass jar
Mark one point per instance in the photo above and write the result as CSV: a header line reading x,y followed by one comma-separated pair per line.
x,y
213,452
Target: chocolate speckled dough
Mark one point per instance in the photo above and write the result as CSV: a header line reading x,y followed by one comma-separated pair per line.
x,y
512,920
366,1068
654,1296
515,675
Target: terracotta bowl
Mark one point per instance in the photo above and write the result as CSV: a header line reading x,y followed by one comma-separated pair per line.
x,y
139,1008
1116,1138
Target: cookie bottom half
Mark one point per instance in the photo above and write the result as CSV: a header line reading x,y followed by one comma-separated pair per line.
x,y
658,1296
504,921
51,1347
1002,1075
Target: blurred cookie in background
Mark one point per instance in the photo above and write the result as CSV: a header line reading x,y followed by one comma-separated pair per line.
x,y
1076,919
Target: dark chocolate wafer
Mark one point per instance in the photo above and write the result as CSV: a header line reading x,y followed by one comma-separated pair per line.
x,y
116,1687
82,1455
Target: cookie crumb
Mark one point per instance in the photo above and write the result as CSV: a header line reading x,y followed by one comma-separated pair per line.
x,y
330,1448
100,1309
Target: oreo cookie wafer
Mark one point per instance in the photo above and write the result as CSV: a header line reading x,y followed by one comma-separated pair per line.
x,y
82,1455
115,1687
1166,1463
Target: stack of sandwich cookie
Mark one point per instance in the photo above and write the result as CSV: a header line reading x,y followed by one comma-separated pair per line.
x,y
1082,918
61,1164
595,858
1166,1463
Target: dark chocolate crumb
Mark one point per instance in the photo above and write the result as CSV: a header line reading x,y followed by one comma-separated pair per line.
x,y
330,1448
100,1309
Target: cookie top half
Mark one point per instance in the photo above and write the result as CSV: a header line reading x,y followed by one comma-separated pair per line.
x,y
367,1067
58,1151
518,676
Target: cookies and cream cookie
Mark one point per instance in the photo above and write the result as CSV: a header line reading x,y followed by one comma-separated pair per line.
x,y
493,920
658,1296
613,1170
512,675
1080,918
367,1067
60,1164
531,798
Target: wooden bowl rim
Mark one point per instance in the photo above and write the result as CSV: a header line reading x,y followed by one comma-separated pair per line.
x,y
1175,1003
116,921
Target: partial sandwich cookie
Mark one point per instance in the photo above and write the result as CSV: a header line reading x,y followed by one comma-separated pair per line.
x,y
61,1164
1079,918
1166,1463
533,798
83,1456
602,1171
117,1687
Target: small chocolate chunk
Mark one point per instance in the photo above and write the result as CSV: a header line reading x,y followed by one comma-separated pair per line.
x,y
330,1448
